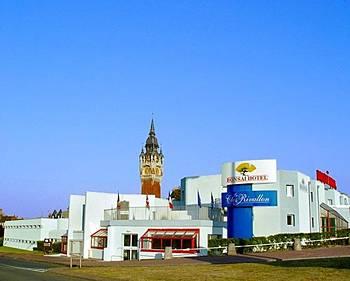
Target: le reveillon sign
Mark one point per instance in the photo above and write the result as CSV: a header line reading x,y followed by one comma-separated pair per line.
x,y
249,198
252,171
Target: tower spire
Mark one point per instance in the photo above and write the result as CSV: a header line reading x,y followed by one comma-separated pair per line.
x,y
152,131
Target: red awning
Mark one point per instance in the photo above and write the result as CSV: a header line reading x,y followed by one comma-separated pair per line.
x,y
103,232
170,233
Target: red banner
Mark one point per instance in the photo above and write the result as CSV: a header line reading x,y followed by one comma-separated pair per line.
x,y
326,179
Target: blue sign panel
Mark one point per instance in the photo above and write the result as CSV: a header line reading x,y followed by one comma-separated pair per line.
x,y
238,199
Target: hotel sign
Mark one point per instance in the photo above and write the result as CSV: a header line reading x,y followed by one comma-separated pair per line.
x,y
249,172
249,199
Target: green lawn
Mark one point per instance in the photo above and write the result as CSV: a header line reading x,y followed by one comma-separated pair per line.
x,y
323,269
7,250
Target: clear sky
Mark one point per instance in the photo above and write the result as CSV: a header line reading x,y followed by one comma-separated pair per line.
x,y
226,80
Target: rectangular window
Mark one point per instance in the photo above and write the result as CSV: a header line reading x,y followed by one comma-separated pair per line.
x,y
126,255
290,190
134,254
330,202
312,222
127,240
291,220
312,196
99,239
134,240
99,242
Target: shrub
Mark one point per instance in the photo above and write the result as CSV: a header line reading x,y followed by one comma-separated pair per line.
x,y
1,241
56,247
39,246
278,238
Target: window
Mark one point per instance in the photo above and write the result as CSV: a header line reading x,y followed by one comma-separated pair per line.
x,y
330,202
312,196
291,220
331,220
99,239
290,190
126,239
312,222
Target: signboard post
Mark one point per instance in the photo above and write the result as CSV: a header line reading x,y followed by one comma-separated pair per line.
x,y
76,250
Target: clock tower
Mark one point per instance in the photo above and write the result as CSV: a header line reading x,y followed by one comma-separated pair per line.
x,y
151,165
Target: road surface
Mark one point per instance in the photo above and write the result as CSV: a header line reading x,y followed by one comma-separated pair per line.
x,y
18,270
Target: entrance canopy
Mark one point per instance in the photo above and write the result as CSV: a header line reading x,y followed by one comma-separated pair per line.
x,y
183,240
171,233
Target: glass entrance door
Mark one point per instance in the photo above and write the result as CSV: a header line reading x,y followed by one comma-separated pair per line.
x,y
130,249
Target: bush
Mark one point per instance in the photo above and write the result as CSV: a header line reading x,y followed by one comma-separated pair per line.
x,y
1,241
56,247
39,246
278,238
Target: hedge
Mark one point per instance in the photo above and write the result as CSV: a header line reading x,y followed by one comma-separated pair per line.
x,y
55,247
286,237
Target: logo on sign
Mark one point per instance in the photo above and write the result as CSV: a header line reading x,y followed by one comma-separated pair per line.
x,y
245,168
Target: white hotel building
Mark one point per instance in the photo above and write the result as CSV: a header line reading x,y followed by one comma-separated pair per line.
x,y
304,205
133,231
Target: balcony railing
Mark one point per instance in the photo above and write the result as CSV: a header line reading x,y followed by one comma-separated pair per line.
x,y
164,213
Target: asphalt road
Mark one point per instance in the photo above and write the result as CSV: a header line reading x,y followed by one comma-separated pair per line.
x,y
17,270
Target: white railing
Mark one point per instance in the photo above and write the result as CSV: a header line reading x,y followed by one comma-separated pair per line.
x,y
163,213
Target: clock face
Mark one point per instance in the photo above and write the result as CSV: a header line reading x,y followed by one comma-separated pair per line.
x,y
152,171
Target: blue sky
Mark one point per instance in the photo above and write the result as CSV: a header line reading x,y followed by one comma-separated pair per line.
x,y
226,80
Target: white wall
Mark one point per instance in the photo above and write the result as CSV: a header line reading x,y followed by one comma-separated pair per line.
x,y
205,185
116,229
76,215
266,220
97,202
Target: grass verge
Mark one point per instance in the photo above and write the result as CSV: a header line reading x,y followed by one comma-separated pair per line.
x,y
321,269
8,250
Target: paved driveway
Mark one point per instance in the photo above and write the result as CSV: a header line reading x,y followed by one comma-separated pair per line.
x,y
18,270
